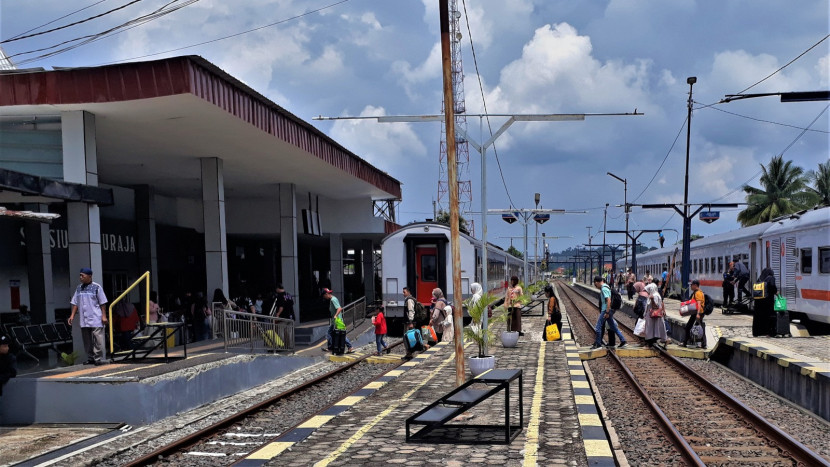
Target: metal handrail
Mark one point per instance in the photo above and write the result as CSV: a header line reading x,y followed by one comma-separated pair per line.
x,y
355,309
110,306
241,329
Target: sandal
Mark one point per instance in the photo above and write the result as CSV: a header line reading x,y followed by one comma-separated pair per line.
x,y
351,350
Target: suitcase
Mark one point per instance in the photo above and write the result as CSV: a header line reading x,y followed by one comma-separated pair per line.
x,y
338,342
782,323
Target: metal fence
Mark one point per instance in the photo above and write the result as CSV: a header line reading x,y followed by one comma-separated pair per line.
x,y
256,333
354,313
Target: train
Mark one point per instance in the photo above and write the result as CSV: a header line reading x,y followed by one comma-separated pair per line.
x,y
418,256
796,247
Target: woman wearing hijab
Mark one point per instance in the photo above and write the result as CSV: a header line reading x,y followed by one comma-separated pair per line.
x,y
654,316
475,289
642,298
763,318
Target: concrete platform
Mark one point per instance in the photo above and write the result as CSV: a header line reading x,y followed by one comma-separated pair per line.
x,y
796,368
562,424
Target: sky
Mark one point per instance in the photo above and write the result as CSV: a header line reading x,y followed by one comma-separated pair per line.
x,y
382,57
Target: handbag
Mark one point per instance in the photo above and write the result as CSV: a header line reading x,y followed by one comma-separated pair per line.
x,y
339,324
640,327
552,332
759,290
658,312
688,307
780,303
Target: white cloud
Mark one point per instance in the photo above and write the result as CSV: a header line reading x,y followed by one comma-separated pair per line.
x,y
823,69
385,145
411,77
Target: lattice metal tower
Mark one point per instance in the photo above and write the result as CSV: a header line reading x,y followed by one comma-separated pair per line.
x,y
465,193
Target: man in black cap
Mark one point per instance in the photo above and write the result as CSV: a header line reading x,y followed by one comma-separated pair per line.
x,y
90,300
8,363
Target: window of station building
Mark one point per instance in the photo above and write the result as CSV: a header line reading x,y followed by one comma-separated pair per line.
x,y
824,259
806,260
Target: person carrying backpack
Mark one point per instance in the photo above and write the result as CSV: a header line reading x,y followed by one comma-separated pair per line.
x,y
416,313
606,314
700,298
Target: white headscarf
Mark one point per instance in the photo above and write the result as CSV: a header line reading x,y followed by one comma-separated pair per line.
x,y
475,288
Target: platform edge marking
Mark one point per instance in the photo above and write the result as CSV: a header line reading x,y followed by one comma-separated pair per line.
x,y
270,450
532,436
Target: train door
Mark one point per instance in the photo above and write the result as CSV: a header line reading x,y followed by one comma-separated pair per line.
x,y
426,279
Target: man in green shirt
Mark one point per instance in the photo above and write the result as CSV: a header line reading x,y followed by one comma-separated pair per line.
x,y
334,310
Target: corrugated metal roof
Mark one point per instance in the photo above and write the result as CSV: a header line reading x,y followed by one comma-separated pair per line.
x,y
186,75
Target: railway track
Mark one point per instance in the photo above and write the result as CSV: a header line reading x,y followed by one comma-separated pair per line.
x,y
707,425
226,441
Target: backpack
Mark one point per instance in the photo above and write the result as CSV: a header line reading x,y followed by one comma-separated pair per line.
x,y
413,340
616,299
708,304
421,314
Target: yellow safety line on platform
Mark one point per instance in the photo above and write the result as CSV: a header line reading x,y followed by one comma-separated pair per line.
x,y
532,438
272,450
378,418
85,371
133,369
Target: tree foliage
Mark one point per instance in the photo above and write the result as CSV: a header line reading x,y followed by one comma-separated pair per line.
x,y
785,191
444,218
821,183
515,252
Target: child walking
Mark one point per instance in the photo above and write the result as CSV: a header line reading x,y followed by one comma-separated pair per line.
x,y
380,330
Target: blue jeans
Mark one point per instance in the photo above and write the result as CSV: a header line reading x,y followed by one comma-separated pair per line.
x,y
379,340
328,338
600,327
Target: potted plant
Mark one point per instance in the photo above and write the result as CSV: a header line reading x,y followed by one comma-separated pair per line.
x,y
510,338
481,362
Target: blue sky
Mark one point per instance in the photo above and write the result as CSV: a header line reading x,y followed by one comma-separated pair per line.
x,y
381,57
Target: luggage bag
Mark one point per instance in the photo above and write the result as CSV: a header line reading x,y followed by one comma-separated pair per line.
x,y
782,323
338,342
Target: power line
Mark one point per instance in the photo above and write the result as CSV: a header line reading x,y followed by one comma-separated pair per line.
x,y
484,102
664,158
57,19
163,11
226,37
786,65
17,38
758,119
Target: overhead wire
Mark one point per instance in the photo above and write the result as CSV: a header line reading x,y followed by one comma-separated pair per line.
x,y
158,13
484,103
785,65
18,38
316,10
685,120
758,119
57,19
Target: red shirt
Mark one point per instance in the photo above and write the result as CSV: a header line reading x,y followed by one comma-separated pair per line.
x,y
380,323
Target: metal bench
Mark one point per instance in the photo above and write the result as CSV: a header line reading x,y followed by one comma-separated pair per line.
x,y
435,417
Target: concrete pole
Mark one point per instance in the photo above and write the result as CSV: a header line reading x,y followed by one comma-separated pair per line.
x,y
687,221
452,169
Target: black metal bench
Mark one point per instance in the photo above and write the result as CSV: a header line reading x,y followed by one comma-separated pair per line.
x,y
435,417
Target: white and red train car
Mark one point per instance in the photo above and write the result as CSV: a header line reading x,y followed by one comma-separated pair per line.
x,y
795,247
418,256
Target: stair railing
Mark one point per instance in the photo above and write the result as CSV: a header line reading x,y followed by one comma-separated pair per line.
x,y
111,305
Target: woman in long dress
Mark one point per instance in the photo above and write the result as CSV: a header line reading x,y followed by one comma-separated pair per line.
x,y
654,316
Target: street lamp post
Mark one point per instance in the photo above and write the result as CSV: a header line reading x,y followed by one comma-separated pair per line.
x,y
625,204
536,198
590,271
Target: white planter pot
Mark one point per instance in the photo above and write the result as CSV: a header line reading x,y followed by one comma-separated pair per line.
x,y
509,338
479,365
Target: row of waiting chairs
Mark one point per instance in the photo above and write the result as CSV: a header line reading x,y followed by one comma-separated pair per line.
x,y
40,335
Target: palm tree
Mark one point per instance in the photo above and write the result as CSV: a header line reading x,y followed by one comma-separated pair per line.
x,y
785,192
821,183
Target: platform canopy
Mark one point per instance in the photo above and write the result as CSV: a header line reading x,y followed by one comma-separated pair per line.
x,y
155,120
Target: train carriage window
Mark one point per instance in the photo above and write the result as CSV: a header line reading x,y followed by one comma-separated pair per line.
x,y
824,259
720,264
706,262
806,260
429,268
694,266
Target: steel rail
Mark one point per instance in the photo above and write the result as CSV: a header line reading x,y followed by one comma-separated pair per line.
x,y
679,441
212,429
791,446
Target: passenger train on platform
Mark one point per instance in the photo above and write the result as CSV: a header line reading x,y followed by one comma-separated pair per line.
x,y
418,256
796,247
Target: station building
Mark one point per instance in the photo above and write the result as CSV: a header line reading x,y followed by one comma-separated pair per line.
x,y
176,167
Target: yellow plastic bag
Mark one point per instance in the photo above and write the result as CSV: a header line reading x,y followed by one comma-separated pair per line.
x,y
273,340
551,332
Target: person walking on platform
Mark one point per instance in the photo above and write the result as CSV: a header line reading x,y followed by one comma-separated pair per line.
x,y
742,275
763,317
630,279
439,316
728,285
554,314
655,313
606,314
8,362
334,310
409,306
379,321
697,296
90,302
